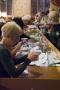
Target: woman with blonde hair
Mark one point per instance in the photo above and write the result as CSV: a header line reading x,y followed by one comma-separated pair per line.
x,y
10,39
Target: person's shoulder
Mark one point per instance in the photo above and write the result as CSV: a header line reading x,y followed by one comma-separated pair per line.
x,y
3,49
4,52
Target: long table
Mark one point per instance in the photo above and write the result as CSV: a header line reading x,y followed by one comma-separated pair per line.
x,y
36,77
49,44
53,48
44,73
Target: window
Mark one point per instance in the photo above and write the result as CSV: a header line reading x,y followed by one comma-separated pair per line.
x,y
5,7
40,5
9,7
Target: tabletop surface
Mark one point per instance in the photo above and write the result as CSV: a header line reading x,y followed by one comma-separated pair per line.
x,y
35,72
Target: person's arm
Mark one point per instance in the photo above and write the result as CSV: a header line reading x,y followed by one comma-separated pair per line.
x,y
16,48
20,59
9,66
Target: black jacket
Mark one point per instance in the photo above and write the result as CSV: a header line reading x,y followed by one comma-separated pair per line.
x,y
7,64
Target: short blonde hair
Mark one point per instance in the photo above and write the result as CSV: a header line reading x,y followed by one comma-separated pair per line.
x,y
12,30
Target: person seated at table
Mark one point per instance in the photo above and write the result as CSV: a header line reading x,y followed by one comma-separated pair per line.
x,y
20,22
1,24
10,37
27,19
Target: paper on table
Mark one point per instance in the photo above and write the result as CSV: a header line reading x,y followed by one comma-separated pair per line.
x,y
32,26
36,49
45,59
52,58
42,60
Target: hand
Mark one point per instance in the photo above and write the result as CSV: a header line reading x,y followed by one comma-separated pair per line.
x,y
16,48
33,56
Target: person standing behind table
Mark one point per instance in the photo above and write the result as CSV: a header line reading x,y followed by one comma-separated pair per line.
x,y
50,34
57,31
10,37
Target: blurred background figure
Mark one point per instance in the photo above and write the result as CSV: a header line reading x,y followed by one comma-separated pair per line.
x,y
19,21
37,17
53,17
26,19
8,18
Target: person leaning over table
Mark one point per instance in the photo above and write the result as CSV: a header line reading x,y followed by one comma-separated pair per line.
x,y
19,21
10,39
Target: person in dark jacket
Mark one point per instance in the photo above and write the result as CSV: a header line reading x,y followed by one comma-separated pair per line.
x,y
50,34
19,21
10,37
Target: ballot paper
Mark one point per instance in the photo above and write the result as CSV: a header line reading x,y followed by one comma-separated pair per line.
x,y
32,26
36,49
42,60
46,59
52,58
